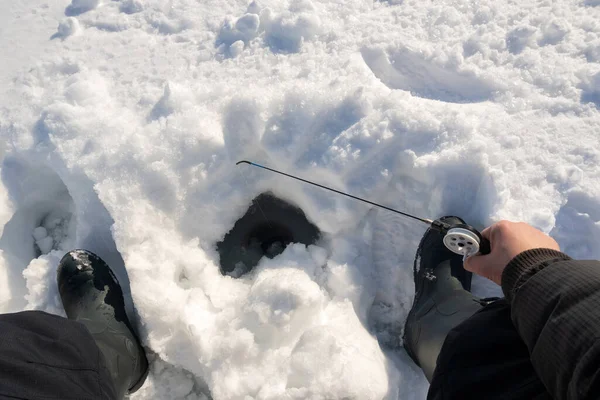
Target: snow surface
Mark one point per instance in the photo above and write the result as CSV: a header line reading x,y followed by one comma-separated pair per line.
x,y
121,122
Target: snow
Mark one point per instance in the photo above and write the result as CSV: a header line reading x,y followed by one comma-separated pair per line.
x,y
80,6
67,27
120,126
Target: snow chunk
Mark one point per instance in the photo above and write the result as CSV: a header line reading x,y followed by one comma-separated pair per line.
x,y
248,25
167,382
244,28
334,351
554,32
282,303
78,7
166,24
68,27
174,98
254,7
483,15
40,276
46,244
164,107
54,232
520,38
39,233
286,33
591,90
236,48
87,88
592,52
131,6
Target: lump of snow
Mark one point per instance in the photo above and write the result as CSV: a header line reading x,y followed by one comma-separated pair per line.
x,y
286,34
520,38
281,304
236,48
87,89
45,244
78,7
167,25
253,7
131,6
244,29
164,107
592,52
248,25
39,233
554,32
302,6
43,240
332,351
591,90
67,27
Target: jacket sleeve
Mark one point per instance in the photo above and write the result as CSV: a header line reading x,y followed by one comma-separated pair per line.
x,y
555,307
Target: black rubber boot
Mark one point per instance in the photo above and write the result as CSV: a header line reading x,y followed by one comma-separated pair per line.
x,y
442,299
92,296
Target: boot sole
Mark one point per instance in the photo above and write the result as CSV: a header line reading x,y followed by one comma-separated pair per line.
x,y
142,379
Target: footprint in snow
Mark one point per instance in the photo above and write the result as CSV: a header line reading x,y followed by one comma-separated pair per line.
x,y
44,220
577,227
405,70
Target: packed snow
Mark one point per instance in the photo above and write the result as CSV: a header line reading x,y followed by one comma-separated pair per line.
x,y
121,122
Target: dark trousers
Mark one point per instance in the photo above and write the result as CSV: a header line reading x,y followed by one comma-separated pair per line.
x,y
44,356
484,358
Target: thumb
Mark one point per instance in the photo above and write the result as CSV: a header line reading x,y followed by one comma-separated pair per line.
x,y
476,264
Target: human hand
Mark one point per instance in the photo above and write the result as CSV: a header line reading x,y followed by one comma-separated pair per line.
x,y
507,240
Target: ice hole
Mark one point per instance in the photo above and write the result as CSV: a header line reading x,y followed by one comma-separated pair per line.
x,y
269,225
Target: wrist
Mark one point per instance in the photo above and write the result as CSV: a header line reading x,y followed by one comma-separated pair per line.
x,y
524,266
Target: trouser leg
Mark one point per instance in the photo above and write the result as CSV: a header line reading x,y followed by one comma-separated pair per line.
x,y
45,356
484,358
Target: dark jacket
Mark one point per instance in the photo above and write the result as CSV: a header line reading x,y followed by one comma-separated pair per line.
x,y
541,342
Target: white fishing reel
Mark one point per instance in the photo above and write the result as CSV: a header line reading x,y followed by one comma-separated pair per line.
x,y
462,241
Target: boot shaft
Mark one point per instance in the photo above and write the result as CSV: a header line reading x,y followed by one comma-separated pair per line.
x,y
92,296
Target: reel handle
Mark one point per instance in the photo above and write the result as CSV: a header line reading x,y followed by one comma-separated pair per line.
x,y
484,246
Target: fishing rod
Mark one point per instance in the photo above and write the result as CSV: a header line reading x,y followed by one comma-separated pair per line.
x,y
461,239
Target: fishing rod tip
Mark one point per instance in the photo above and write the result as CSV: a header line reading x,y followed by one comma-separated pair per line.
x,y
243,162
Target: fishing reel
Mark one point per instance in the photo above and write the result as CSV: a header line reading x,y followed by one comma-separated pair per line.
x,y
462,239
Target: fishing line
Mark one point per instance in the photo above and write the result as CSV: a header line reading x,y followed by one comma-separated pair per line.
x,y
257,203
427,221
461,239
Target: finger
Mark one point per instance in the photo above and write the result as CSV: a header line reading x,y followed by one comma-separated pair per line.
x,y
486,232
475,264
